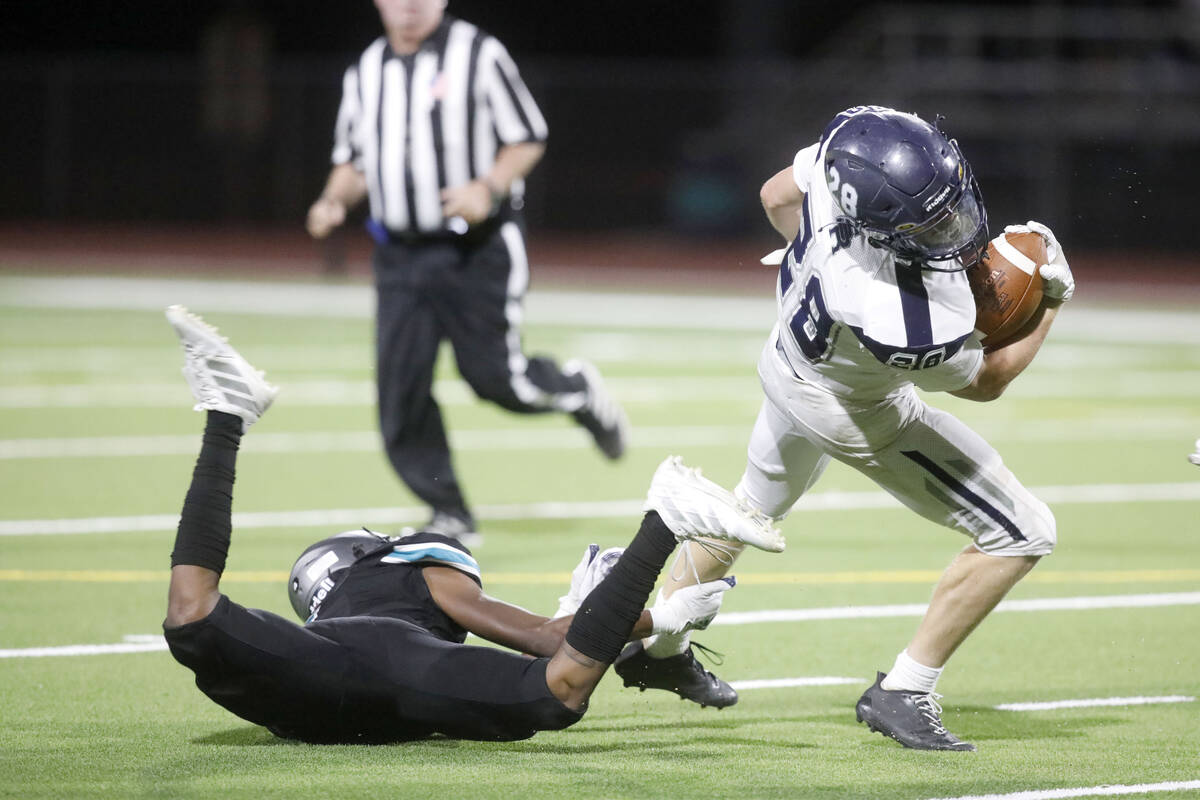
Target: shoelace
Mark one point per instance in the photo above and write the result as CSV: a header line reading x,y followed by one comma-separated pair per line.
x,y
931,710
715,657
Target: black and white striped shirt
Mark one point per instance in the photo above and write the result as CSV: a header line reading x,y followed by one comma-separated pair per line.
x,y
416,124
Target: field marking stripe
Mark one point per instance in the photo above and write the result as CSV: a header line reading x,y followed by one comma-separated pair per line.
x,y
629,390
918,609
360,442
1095,702
862,577
785,683
528,438
599,509
1104,790
147,643
87,649
600,309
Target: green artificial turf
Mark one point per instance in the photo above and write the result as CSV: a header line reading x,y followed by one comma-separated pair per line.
x,y
1090,412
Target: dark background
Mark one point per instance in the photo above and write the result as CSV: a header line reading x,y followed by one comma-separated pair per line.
x,y
664,116
595,29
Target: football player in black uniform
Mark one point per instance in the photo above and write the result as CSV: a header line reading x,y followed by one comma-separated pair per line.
x,y
382,657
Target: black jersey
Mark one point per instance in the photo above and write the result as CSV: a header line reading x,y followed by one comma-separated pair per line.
x,y
389,583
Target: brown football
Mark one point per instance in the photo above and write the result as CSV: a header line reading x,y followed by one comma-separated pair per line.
x,y
1006,285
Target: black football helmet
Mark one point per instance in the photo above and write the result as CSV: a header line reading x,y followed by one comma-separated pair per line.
x,y
315,571
906,185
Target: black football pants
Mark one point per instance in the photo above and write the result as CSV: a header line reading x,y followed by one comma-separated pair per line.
x,y
470,294
363,679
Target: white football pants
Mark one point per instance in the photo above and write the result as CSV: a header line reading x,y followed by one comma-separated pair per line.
x,y
927,459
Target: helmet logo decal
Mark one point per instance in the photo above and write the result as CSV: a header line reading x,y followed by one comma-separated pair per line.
x,y
937,199
323,589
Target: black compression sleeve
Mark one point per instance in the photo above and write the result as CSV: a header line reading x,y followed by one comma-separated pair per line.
x,y
206,522
606,618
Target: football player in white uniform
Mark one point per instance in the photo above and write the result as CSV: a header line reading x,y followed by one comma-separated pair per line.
x,y
882,216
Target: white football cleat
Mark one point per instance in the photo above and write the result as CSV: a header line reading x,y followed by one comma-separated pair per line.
x,y
220,379
694,507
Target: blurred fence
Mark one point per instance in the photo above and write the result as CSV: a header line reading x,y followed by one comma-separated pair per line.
x,y
1088,118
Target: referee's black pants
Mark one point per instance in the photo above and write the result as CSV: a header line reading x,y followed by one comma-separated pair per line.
x,y
469,292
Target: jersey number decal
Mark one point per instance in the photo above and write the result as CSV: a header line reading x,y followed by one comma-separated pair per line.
x,y
903,360
811,323
847,194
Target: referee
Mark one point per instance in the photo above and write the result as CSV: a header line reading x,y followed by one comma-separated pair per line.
x,y
437,130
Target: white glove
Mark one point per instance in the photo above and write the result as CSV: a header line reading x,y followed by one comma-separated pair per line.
x,y
1195,457
690,608
592,569
1057,281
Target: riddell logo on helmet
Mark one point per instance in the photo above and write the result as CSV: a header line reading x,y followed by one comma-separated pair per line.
x,y
323,589
934,201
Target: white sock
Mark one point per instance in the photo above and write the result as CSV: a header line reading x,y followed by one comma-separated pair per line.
x,y
665,645
907,675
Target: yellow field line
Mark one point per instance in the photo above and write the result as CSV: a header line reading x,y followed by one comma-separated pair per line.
x,y
563,578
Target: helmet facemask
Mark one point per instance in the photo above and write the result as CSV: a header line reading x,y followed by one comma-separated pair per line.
x,y
959,232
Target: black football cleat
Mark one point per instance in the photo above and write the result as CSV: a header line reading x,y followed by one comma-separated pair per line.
x,y
601,415
911,718
681,674
458,526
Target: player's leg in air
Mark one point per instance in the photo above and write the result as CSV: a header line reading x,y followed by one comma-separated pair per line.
x,y
256,664
682,505
234,395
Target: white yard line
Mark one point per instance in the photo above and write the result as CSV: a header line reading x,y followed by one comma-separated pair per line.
x,y
918,609
570,308
1103,790
788,683
552,438
134,643
675,390
1095,702
598,509
148,642
532,438
86,650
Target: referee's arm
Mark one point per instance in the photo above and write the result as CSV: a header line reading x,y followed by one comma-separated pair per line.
x,y
477,200
345,188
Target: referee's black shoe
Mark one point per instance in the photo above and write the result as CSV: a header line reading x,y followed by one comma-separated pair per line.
x,y
600,414
681,674
913,719
456,527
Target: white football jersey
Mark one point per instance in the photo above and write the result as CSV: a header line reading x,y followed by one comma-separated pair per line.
x,y
853,322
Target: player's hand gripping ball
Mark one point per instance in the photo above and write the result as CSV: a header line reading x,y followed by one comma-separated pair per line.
x,y
1007,284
